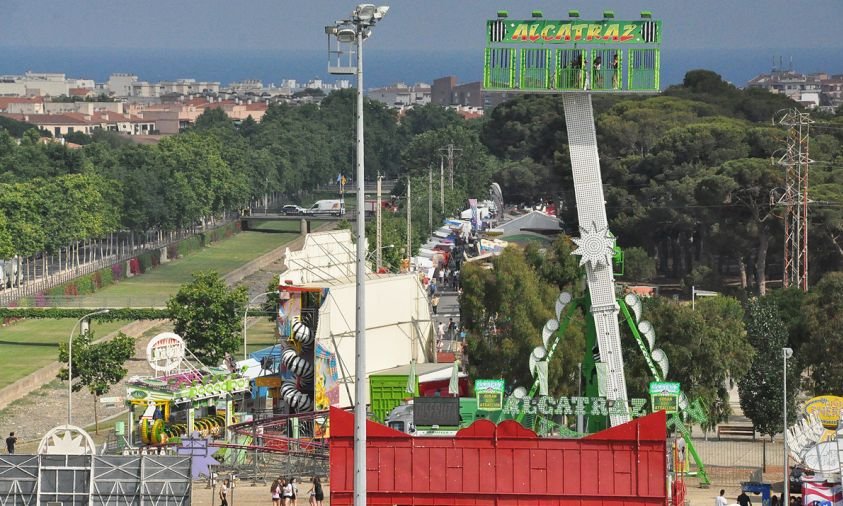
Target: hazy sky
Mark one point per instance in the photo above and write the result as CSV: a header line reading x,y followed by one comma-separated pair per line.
x,y
420,24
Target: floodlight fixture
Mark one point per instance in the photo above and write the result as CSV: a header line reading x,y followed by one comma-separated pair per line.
x,y
573,13
538,14
646,14
364,13
608,14
503,14
381,11
346,35
331,30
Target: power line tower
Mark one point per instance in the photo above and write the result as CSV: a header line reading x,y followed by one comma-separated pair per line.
x,y
795,198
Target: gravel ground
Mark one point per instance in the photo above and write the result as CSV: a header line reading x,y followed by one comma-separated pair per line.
x,y
33,415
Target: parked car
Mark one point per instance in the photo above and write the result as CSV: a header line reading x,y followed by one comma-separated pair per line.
x,y
293,210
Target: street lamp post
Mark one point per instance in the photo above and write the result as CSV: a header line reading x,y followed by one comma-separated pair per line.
x,y
245,314
786,354
355,30
70,361
378,250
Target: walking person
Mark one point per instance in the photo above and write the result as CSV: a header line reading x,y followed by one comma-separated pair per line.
x,y
440,331
434,302
287,493
744,499
316,495
226,486
275,491
10,443
721,499
294,500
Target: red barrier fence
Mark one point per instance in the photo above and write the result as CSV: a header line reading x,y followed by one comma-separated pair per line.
x,y
506,465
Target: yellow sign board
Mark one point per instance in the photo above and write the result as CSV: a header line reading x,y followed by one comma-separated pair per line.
x,y
826,408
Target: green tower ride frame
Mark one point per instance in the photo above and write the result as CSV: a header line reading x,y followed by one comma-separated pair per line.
x,y
576,58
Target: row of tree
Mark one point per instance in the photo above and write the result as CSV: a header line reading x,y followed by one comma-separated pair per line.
x,y
689,176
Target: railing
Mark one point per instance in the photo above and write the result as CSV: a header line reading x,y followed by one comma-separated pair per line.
x,y
369,186
733,461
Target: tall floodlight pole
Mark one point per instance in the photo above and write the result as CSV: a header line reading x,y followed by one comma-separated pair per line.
x,y
70,361
786,354
356,30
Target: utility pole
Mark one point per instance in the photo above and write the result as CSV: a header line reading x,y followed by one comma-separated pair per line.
x,y
378,257
795,198
451,154
430,198
409,227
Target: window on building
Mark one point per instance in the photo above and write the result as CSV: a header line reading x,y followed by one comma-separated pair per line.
x,y
57,131
70,130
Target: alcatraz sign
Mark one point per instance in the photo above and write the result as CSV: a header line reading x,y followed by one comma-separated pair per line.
x,y
645,31
587,406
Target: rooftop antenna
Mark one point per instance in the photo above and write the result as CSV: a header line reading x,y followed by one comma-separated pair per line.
x,y
791,63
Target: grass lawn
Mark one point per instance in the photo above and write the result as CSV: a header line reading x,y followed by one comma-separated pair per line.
x,y
157,285
29,345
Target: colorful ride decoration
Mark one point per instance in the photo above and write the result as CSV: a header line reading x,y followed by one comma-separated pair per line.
x,y
187,387
488,464
296,326
816,439
573,55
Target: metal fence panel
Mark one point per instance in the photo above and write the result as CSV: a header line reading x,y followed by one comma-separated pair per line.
x,y
18,479
100,481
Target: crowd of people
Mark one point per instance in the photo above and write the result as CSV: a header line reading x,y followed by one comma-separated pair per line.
x,y
744,500
284,492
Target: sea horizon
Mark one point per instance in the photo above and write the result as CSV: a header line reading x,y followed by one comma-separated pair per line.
x,y
382,66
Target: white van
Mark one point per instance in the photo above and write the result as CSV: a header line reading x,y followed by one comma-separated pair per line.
x,y
331,207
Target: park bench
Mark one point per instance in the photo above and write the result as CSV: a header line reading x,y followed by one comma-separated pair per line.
x,y
735,430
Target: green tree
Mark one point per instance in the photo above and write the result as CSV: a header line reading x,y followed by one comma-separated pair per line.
x,y
638,265
208,315
97,366
504,310
824,323
706,347
763,380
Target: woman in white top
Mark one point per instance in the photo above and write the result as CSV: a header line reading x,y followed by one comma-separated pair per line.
x,y
287,494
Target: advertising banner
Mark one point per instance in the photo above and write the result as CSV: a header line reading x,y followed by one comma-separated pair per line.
x,y
664,396
489,394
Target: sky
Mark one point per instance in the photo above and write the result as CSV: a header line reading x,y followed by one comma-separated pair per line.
x,y
430,25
